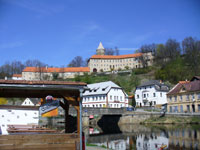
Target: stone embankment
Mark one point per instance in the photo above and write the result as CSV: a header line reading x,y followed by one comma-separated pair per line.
x,y
158,118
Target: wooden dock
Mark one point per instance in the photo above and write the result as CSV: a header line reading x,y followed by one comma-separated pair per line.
x,y
40,142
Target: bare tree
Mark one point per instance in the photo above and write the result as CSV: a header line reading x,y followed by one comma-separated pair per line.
x,y
109,51
148,48
172,48
116,51
76,62
191,50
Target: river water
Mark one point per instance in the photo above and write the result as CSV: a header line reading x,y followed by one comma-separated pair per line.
x,y
140,137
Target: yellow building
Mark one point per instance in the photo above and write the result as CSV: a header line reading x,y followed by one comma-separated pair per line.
x,y
185,96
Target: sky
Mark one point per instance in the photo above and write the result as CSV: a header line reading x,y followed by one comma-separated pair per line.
x,y
56,31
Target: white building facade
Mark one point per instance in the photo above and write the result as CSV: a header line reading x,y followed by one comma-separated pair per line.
x,y
105,63
48,73
30,102
18,115
151,93
105,94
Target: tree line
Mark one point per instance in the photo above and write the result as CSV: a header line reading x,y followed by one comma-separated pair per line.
x,y
175,61
16,67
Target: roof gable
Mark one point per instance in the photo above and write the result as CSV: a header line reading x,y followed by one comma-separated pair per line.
x,y
100,88
186,86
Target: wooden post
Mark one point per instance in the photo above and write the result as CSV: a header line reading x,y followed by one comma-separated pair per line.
x,y
78,118
67,123
65,106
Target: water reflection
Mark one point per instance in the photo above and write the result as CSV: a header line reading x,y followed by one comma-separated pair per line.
x,y
139,137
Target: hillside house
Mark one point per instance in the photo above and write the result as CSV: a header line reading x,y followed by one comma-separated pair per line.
x,y
185,96
151,93
105,94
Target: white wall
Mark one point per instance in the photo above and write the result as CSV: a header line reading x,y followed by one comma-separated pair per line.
x,y
159,98
101,100
27,102
117,98
17,117
94,101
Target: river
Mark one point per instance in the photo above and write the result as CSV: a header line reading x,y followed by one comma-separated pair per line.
x,y
140,137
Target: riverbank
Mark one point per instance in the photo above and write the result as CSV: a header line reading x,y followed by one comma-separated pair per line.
x,y
172,120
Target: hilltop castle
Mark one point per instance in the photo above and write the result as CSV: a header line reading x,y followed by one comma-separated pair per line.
x,y
102,63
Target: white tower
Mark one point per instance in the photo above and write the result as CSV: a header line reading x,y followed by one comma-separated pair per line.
x,y
100,50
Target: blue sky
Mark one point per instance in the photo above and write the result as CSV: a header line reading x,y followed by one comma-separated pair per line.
x,y
55,31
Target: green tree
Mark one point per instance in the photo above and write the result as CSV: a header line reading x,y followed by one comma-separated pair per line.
x,y
191,50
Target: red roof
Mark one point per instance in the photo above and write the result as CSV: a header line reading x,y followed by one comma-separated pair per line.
x,y
17,75
116,57
188,87
68,69
28,82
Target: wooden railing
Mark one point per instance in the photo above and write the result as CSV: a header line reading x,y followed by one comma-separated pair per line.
x,y
40,142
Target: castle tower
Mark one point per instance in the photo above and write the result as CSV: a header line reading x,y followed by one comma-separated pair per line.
x,y
100,50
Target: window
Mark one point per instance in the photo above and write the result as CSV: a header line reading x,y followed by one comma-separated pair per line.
x,y
137,96
193,98
181,108
160,94
187,97
181,97
110,97
199,96
170,98
144,95
175,98
199,108
154,94
188,108
170,108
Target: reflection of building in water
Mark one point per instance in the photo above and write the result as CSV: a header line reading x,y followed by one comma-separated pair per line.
x,y
120,144
151,142
184,138
94,131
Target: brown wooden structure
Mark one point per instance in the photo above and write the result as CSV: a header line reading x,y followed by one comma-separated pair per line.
x,y
71,92
39,142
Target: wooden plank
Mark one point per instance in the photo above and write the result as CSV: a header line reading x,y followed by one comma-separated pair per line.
x,y
39,146
32,141
39,141
38,136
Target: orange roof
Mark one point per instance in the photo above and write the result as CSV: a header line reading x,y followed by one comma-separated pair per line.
x,y
17,75
183,82
116,57
68,69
